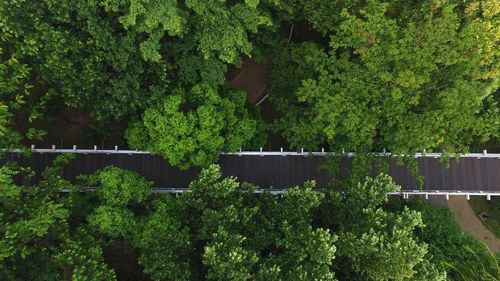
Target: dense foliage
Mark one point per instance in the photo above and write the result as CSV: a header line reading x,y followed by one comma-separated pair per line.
x,y
15,98
362,76
192,128
371,75
401,76
221,230
116,57
451,249
37,241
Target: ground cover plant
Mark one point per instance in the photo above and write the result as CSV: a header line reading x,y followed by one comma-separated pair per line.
x,y
490,211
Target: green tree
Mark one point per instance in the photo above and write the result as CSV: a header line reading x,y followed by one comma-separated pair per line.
x,y
164,243
400,76
80,259
118,190
191,129
83,54
36,240
375,244
15,97
260,236
127,211
451,249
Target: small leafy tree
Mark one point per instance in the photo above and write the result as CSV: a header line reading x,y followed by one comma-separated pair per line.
x,y
155,232
191,129
117,190
164,243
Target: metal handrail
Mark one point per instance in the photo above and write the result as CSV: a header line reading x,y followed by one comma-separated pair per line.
x,y
484,154
405,193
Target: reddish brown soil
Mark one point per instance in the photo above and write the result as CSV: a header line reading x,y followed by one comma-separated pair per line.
x,y
251,78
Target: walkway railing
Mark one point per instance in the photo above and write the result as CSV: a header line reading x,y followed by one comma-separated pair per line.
x,y
405,194
302,152
490,189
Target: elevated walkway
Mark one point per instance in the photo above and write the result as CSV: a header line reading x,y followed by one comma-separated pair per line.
x,y
474,173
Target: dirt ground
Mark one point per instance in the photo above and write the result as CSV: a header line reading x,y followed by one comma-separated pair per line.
x,y
251,78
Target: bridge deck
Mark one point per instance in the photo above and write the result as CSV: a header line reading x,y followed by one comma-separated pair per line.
x,y
470,174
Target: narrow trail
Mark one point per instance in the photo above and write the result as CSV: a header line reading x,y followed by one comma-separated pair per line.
x,y
470,223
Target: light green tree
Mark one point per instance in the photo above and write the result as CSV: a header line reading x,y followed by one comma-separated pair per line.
x,y
191,129
163,243
118,190
400,76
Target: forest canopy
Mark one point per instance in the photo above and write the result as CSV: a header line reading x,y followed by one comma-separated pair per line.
x,y
221,230
362,76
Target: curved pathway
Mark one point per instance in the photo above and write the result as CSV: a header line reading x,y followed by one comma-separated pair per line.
x,y
471,224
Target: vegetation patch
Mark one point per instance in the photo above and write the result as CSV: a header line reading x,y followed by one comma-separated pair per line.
x,y
488,211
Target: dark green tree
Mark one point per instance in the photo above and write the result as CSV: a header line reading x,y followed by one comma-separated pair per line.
x,y
15,98
36,240
376,244
83,54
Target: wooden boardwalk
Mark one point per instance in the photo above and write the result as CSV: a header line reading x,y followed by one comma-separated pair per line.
x,y
470,174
